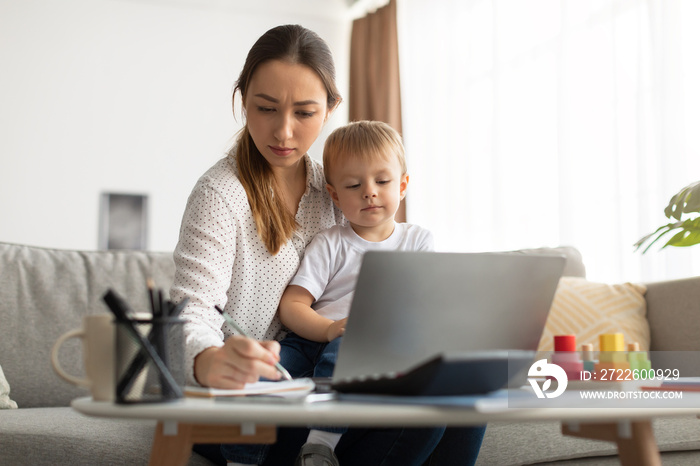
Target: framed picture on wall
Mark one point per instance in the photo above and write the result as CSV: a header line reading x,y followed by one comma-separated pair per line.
x,y
123,221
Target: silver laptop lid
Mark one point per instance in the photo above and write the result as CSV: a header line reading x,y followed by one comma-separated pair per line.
x,y
410,306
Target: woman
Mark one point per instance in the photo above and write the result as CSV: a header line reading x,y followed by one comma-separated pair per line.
x,y
245,228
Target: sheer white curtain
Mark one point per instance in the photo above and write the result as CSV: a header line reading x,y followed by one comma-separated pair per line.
x,y
550,122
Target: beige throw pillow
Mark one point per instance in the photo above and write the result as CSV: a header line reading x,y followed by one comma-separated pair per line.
x,y
5,401
587,309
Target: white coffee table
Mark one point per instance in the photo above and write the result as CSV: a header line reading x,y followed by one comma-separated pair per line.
x,y
200,420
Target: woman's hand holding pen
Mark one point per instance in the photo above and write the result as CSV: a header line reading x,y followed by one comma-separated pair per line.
x,y
241,360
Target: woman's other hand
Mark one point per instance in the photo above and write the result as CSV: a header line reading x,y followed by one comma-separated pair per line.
x,y
241,360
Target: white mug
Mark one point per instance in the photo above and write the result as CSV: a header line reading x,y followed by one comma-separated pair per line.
x,y
98,336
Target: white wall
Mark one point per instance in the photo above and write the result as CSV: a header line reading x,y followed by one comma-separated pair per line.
x,y
128,96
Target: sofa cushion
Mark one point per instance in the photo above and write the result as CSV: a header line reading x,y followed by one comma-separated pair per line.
x,y
673,307
5,401
62,436
46,292
587,309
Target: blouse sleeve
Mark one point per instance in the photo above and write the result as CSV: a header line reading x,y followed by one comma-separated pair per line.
x,y
203,270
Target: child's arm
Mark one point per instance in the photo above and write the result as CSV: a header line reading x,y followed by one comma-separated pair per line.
x,y
297,315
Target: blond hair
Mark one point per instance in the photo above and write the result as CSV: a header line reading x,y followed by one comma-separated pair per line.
x,y
294,44
364,140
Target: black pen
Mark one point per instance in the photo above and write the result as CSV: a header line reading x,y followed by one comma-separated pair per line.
x,y
233,324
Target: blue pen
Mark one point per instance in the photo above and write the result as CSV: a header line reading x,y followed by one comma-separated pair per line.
x,y
233,324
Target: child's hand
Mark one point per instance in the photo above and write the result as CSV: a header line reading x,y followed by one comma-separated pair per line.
x,y
336,329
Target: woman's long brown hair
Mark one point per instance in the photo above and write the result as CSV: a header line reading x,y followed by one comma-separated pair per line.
x,y
293,44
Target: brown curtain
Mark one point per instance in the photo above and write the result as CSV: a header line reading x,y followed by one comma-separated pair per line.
x,y
375,93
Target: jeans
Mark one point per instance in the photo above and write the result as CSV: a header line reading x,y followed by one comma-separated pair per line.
x,y
385,447
306,358
455,446
459,446
302,358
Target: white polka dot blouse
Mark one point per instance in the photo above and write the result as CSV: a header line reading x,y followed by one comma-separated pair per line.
x,y
220,259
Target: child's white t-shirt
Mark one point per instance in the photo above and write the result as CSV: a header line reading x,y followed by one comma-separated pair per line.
x,y
332,262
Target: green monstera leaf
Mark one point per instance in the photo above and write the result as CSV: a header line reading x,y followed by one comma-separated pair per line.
x,y
686,201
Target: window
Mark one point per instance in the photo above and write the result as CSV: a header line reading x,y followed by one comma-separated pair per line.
x,y
548,122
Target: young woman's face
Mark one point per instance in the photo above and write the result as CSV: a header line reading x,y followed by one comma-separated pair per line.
x,y
286,107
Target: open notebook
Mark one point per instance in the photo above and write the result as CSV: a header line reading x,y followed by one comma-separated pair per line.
x,y
285,388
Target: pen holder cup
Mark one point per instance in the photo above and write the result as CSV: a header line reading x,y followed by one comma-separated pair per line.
x,y
149,368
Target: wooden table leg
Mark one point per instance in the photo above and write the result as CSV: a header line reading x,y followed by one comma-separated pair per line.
x,y
172,442
171,449
635,440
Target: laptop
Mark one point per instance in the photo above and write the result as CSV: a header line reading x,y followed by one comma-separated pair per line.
x,y
432,323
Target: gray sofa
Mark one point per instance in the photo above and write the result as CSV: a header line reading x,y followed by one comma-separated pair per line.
x,y
45,292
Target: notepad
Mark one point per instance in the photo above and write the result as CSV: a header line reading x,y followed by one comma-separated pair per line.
x,y
284,388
